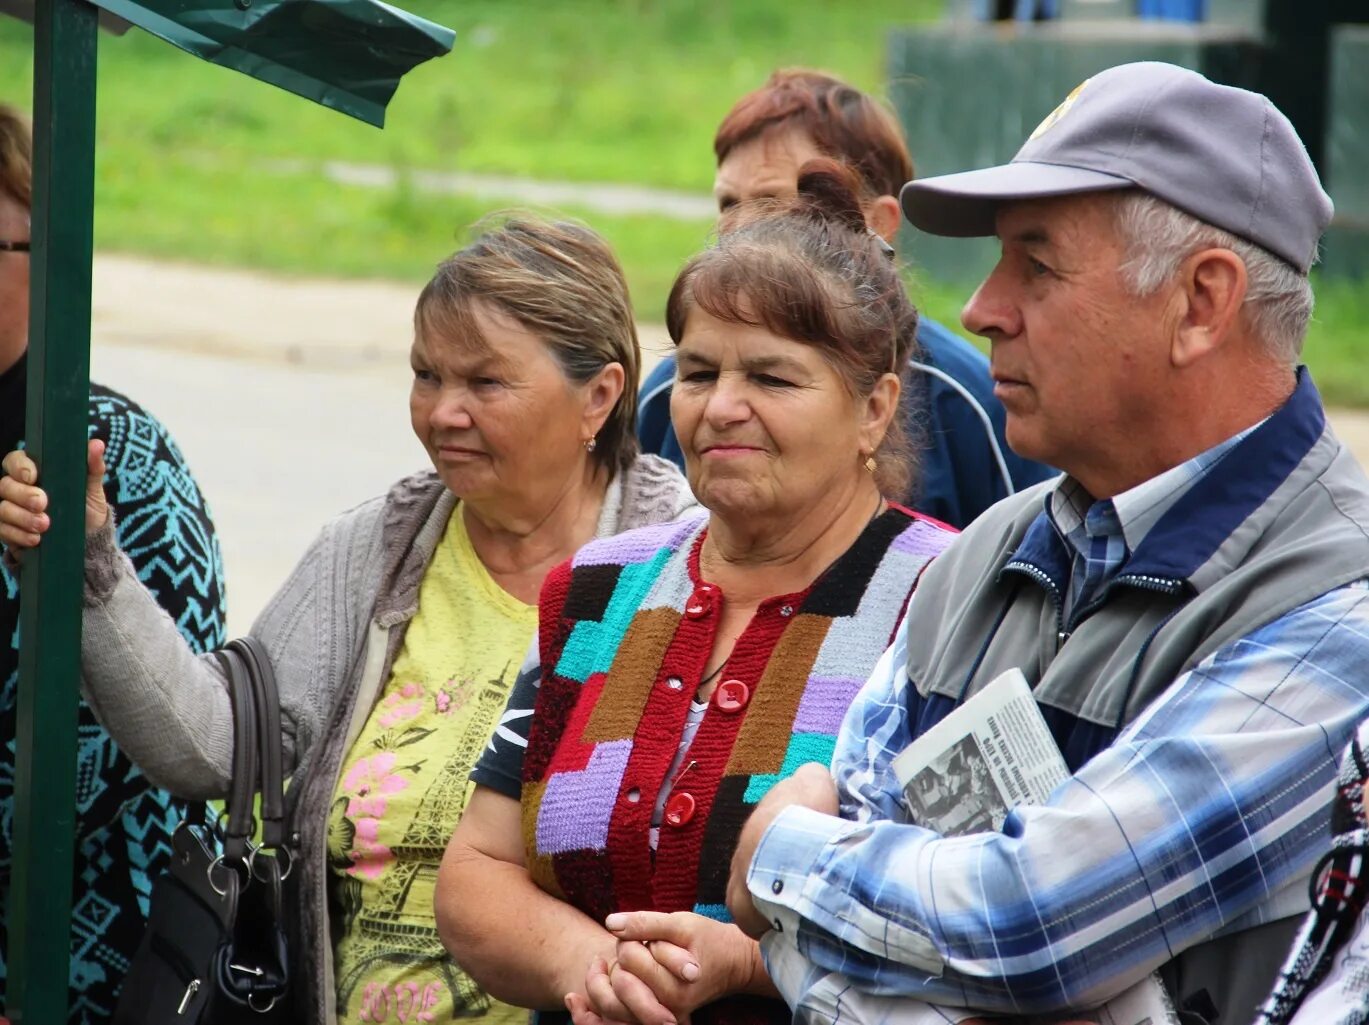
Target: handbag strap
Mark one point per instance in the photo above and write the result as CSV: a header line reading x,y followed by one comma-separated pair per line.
x,y
266,702
240,827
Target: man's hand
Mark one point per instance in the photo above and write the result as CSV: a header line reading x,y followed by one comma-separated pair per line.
x,y
23,505
810,787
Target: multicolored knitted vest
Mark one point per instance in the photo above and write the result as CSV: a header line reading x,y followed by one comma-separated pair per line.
x,y
625,631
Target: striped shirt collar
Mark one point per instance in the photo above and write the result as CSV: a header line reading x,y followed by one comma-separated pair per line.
x,y
1199,517
1102,534
1133,513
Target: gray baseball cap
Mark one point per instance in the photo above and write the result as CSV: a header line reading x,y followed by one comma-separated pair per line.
x,y
1227,156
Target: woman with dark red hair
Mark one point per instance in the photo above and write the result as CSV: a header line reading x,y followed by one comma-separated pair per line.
x,y
964,465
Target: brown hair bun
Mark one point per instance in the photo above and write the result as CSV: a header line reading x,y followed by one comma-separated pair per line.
x,y
830,191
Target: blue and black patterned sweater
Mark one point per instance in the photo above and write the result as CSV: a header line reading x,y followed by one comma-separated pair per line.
x,y
123,824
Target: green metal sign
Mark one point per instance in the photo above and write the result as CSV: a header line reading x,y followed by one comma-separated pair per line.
x,y
344,54
64,34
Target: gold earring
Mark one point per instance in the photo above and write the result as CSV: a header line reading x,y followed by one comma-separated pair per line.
x,y
870,463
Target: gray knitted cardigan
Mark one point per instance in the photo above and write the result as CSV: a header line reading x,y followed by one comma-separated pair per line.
x,y
332,631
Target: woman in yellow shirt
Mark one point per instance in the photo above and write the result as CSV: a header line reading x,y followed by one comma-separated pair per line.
x,y
397,637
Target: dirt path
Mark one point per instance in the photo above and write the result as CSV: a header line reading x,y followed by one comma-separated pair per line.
x,y
1353,427
311,322
601,197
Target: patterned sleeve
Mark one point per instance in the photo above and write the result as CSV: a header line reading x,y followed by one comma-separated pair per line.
x,y
161,520
124,824
1205,814
501,766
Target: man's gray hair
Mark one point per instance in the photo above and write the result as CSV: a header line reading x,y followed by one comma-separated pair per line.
x,y
1157,237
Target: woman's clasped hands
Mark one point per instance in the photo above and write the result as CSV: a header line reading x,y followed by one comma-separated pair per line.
x,y
664,967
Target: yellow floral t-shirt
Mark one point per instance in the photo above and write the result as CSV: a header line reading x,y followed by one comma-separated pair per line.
x,y
404,785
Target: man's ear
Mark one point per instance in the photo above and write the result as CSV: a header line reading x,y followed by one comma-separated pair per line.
x,y
1212,287
884,215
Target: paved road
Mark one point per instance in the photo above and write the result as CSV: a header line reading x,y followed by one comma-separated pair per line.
x,y
600,197
277,448
289,398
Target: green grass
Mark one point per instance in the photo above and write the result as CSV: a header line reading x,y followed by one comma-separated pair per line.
x,y
1335,348
603,90
289,224
593,90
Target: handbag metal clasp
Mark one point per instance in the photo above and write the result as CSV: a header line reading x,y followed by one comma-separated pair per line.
x,y
279,855
190,992
252,1003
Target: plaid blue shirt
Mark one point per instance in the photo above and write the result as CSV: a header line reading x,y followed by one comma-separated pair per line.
x,y
1205,815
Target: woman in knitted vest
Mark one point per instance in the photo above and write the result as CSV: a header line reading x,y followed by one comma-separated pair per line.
x,y
397,638
682,670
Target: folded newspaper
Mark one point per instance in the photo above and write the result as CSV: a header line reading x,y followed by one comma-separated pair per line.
x,y
963,776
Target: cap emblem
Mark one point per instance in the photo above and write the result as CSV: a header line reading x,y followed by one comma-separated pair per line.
x,y
1060,111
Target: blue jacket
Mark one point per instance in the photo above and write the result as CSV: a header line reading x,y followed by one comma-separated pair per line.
x,y
966,465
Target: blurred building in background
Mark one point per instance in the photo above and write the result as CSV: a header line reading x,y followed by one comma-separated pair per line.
x,y
970,89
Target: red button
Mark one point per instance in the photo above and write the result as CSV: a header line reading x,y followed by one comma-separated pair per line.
x,y
731,696
701,602
679,809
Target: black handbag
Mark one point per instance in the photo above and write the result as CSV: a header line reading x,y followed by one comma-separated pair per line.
x,y
215,950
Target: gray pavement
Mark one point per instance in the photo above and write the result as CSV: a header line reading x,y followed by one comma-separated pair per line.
x,y
278,449
599,197
288,397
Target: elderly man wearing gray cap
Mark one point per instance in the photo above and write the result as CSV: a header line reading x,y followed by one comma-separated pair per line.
x,y
1189,602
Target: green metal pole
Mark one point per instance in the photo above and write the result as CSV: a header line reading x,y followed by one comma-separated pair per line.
x,y
64,40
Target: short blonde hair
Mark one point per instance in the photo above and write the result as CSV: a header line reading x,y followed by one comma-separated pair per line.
x,y
560,281
16,156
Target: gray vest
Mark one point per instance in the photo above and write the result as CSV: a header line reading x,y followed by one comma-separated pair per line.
x,y
984,609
